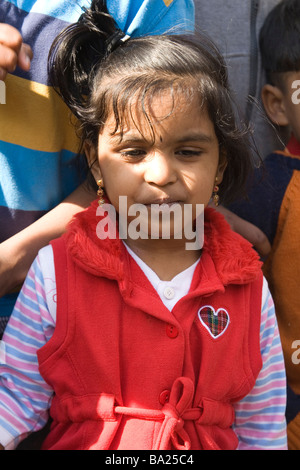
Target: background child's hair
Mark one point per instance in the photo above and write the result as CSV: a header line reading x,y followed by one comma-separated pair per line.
x,y
96,74
280,41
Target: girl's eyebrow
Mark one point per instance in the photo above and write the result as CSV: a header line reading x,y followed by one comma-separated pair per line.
x,y
191,137
196,137
127,137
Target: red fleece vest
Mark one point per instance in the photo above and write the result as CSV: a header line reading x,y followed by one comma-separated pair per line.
x,y
128,373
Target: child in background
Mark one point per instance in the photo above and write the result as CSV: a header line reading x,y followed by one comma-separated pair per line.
x,y
140,343
273,204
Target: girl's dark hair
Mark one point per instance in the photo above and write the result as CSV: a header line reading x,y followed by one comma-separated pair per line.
x,y
280,41
95,77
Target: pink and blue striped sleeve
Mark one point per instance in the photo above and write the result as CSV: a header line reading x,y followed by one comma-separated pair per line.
x,y
260,417
25,397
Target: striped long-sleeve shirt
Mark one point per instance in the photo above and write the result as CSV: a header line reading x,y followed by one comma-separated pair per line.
x,y
25,397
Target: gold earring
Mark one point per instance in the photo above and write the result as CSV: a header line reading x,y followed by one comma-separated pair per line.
x,y
215,196
100,192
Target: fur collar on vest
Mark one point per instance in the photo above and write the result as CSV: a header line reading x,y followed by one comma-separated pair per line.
x,y
236,262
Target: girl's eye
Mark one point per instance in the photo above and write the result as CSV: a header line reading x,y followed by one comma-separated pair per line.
x,y
189,152
133,153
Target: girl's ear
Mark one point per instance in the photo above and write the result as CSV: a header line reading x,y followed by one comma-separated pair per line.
x,y
222,166
273,100
92,159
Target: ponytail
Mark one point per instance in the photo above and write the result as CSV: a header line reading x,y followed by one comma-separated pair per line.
x,y
77,52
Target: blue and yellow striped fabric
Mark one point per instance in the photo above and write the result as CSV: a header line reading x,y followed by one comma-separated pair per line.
x,y
37,143
38,147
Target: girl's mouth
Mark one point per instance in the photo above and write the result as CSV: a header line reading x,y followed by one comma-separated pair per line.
x,y
163,201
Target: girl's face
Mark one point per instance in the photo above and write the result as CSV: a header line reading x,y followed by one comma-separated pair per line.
x,y
179,162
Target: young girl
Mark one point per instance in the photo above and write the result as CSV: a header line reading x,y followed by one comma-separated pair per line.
x,y
138,342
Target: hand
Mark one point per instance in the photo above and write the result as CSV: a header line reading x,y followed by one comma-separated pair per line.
x,y
18,252
13,51
247,230
13,265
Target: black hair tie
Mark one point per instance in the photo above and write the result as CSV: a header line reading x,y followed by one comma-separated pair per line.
x,y
115,40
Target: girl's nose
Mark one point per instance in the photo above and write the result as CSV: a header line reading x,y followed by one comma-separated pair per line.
x,y
160,170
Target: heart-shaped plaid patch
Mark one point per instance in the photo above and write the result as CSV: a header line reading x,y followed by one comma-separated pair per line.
x,y
216,322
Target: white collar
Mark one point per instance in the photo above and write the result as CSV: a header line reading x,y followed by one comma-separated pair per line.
x,y
169,291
